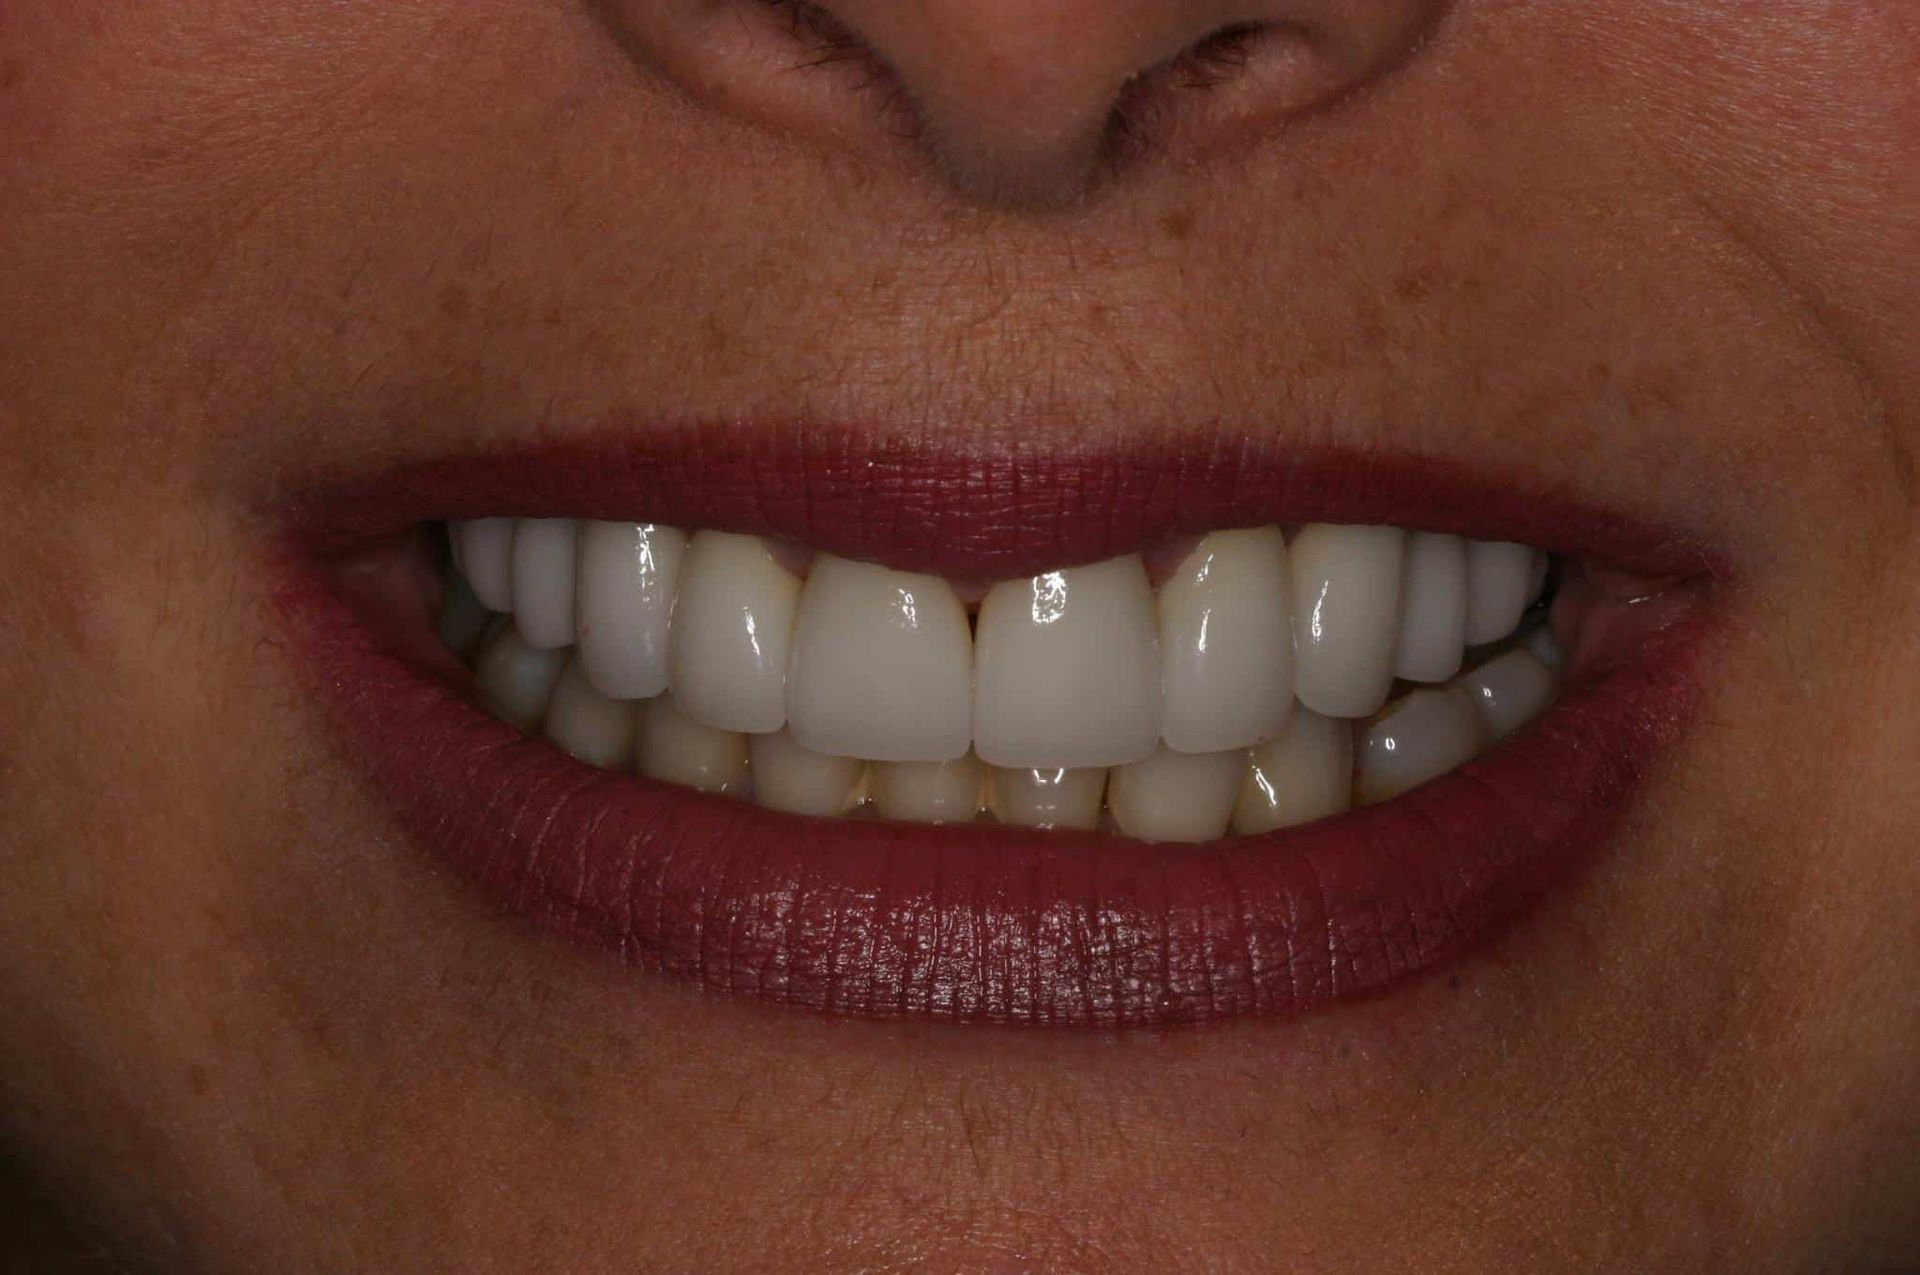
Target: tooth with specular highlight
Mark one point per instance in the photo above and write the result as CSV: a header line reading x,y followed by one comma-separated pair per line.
x,y
1499,586
1067,669
1433,608
543,568
515,680
1304,775
463,621
628,574
800,781
1226,643
1176,796
676,749
1046,798
1419,737
929,792
486,558
733,633
1346,616
882,665
1510,690
587,724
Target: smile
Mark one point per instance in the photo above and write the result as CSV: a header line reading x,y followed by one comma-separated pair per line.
x,y
1135,740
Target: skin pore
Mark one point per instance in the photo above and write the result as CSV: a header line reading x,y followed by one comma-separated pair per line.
x,y
1655,253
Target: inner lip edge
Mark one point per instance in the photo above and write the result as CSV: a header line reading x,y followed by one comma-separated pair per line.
x,y
969,516
1601,739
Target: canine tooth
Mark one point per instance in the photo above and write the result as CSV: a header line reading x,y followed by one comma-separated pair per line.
x,y
676,749
543,580
1421,737
1046,798
628,574
733,633
800,781
587,724
882,664
486,558
1305,774
1067,669
1433,608
1226,643
516,680
929,791
463,621
1510,690
1499,581
1176,796
1346,616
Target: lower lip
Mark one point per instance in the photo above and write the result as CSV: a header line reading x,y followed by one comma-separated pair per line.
x,y
980,923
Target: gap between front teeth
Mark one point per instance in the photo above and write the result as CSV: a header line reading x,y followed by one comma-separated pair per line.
x,y
1249,692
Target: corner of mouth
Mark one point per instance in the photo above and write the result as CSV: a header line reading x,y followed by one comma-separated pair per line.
x,y
961,922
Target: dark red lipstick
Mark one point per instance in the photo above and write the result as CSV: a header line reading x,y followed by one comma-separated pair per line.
x,y
984,923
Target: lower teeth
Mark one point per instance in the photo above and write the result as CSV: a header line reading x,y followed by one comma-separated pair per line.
x,y
1310,765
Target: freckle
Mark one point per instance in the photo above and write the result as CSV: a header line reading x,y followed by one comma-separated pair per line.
x,y
554,316
1178,224
454,301
715,335
1600,373
1413,286
198,1080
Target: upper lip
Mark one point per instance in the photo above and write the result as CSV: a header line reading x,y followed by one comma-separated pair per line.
x,y
980,923
973,508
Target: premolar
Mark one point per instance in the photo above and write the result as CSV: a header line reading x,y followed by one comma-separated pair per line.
x,y
1420,737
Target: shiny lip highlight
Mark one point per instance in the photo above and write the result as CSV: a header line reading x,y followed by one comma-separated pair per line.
x,y
973,923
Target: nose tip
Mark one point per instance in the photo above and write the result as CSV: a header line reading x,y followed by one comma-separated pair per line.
x,y
1021,102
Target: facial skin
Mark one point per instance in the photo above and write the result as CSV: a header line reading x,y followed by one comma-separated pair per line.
x,y
1658,253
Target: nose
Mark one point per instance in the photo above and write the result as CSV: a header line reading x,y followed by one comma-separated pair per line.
x,y
1024,102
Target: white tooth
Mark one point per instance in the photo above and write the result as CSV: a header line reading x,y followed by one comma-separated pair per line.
x,y
733,633
882,664
1499,578
486,555
800,781
1176,796
1067,669
1048,798
463,621
516,680
1433,608
676,749
587,724
543,580
1545,649
1346,616
1226,643
628,574
1304,775
1510,690
929,792
1420,737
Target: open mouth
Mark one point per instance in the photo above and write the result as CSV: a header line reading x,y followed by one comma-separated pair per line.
x,y
1134,739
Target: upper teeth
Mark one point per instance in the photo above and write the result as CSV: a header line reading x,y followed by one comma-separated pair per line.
x,y
1251,642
